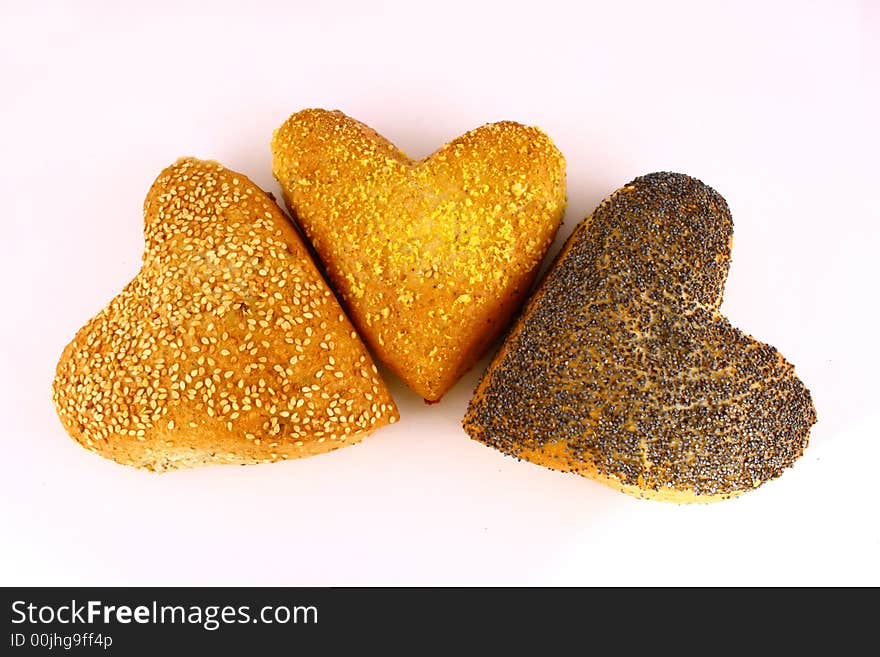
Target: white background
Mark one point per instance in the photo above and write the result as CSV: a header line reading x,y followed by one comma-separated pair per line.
x,y
773,104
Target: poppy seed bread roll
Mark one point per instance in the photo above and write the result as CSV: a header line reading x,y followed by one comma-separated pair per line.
x,y
623,369
227,347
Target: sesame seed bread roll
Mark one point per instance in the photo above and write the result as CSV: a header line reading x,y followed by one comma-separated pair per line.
x,y
227,347
623,369
430,257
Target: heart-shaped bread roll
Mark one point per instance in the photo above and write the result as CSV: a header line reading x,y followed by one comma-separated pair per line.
x,y
227,347
431,257
623,369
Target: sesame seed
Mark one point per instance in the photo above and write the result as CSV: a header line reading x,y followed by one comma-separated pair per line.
x,y
210,294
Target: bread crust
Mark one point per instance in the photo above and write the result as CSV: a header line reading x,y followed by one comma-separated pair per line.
x,y
622,368
430,257
227,347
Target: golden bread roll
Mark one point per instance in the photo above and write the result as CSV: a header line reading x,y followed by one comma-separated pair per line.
x,y
431,257
623,369
227,347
